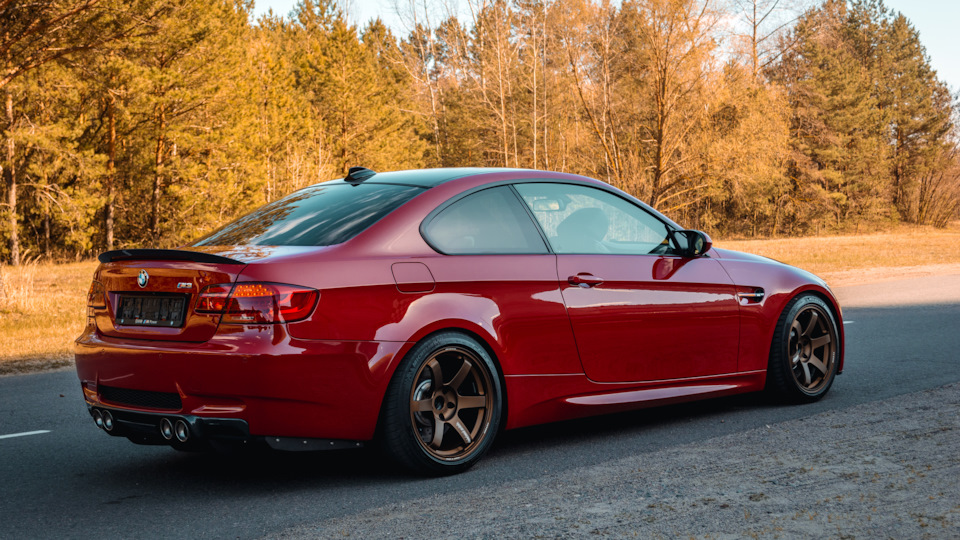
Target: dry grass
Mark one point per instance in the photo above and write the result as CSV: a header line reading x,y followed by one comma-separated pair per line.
x,y
43,306
905,246
42,310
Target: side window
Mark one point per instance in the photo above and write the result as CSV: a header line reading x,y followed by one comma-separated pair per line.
x,y
579,219
489,221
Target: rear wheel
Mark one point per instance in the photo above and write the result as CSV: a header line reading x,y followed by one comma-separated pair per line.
x,y
442,409
804,352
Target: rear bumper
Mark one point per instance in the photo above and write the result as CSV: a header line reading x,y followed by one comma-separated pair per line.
x,y
257,377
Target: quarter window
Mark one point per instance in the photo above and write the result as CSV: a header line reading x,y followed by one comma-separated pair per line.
x,y
490,221
580,219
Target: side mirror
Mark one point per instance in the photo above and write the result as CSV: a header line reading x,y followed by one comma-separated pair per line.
x,y
691,243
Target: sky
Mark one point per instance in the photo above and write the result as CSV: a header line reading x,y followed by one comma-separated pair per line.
x,y
936,20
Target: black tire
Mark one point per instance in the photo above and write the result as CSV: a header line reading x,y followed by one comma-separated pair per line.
x,y
805,351
442,429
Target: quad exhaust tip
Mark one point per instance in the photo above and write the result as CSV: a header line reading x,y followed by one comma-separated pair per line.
x,y
169,429
166,429
182,430
107,420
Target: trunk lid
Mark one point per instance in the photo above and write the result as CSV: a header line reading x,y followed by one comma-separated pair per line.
x,y
151,294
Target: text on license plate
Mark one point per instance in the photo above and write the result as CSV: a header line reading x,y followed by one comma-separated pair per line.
x,y
151,310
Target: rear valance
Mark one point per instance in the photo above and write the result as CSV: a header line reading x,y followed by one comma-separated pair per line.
x,y
164,255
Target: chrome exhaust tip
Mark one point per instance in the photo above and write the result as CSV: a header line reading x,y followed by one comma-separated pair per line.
x,y
182,431
107,420
98,418
166,429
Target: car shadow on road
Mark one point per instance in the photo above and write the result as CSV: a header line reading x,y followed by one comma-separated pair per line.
x,y
646,429
516,454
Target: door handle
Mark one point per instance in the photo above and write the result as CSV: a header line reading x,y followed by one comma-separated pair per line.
x,y
584,280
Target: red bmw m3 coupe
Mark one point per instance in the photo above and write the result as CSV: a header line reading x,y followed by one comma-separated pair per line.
x,y
429,309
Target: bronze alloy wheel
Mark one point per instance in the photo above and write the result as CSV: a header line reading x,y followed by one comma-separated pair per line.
x,y
451,404
443,407
812,348
804,352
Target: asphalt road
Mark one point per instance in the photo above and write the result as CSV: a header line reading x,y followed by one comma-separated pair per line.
x,y
74,481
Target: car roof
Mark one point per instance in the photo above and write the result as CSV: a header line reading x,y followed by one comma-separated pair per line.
x,y
428,178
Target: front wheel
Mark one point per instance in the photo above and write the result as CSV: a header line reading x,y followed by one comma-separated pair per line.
x,y
442,409
805,350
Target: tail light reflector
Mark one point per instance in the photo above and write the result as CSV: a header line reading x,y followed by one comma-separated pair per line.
x,y
213,298
97,295
257,302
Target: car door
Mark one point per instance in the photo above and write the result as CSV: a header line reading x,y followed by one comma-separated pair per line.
x,y
638,311
495,268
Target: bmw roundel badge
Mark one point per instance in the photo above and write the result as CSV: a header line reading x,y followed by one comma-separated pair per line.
x,y
143,278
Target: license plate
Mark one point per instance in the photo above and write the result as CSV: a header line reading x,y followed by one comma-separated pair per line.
x,y
152,310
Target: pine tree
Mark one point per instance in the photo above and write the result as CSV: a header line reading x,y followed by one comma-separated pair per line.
x,y
917,121
33,34
838,164
62,172
177,63
288,149
357,91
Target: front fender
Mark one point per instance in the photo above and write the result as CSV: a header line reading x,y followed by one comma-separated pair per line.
x,y
780,283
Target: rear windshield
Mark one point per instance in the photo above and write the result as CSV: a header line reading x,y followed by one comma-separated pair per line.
x,y
320,215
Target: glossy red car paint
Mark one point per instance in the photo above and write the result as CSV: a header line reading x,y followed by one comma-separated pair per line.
x,y
657,329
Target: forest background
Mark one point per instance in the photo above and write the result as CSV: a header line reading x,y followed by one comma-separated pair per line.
x,y
147,123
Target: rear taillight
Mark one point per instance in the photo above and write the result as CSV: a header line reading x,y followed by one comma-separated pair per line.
x,y
213,298
97,295
257,302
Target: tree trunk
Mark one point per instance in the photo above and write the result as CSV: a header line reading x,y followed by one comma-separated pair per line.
x,y
158,173
46,229
503,106
111,169
754,56
45,208
546,122
10,176
534,52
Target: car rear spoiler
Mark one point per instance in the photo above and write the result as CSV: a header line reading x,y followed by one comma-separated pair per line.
x,y
164,255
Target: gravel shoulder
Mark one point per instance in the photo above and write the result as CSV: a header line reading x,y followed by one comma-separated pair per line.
x,y
884,469
862,276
